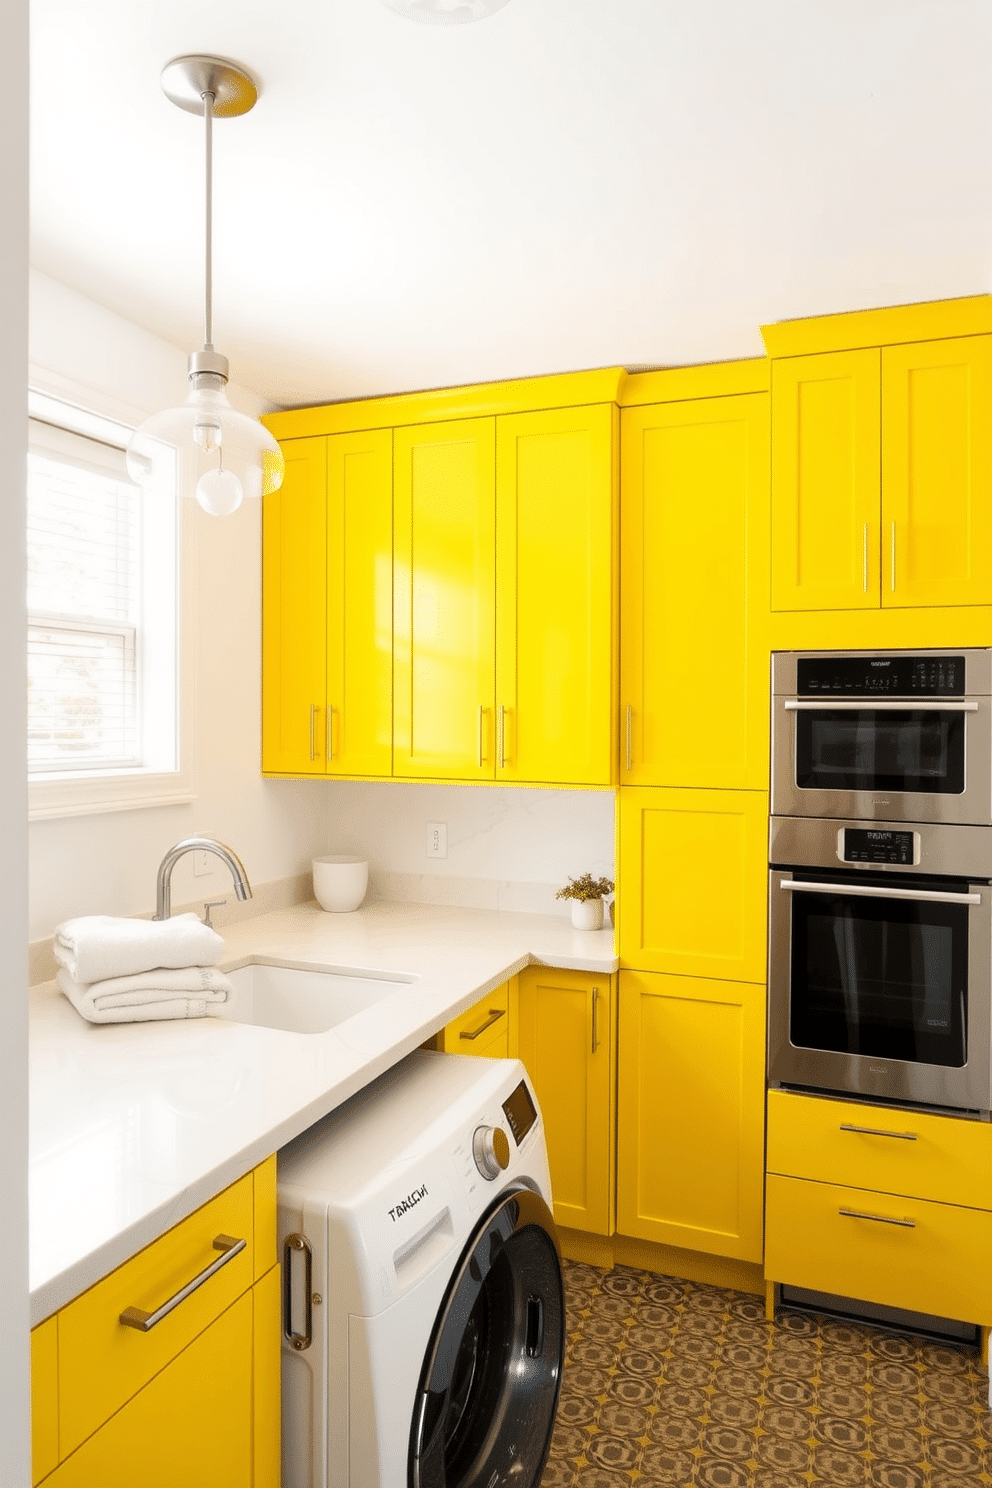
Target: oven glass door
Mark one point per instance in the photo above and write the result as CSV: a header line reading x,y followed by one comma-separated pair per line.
x,y
846,747
880,976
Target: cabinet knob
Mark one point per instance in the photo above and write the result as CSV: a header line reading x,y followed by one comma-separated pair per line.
x,y
491,1150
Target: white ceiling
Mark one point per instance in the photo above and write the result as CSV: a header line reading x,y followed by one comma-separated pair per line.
x,y
567,184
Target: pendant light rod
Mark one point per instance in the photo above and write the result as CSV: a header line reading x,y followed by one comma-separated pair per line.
x,y
208,268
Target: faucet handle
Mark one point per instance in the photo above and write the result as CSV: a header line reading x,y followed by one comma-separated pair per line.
x,y
208,905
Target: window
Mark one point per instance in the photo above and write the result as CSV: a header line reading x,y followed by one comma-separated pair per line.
x,y
102,622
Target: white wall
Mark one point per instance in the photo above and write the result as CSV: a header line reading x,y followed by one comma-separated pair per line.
x,y
15,1460
106,863
508,847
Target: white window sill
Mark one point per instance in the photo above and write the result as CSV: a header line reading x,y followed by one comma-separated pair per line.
x,y
86,795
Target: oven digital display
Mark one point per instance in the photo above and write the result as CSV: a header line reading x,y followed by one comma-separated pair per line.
x,y
870,845
880,676
520,1112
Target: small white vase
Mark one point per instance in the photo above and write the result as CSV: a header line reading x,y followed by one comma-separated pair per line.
x,y
587,914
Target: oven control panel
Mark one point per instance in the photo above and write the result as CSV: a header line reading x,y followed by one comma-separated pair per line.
x,y
874,845
898,675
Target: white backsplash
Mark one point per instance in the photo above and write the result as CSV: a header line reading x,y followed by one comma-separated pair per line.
x,y
509,847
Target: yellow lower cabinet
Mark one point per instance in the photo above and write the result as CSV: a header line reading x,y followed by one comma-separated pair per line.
x,y
883,1248
565,1038
690,1113
693,881
266,1395
484,1030
190,1425
44,1398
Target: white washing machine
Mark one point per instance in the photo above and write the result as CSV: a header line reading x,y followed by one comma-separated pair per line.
x,y
423,1313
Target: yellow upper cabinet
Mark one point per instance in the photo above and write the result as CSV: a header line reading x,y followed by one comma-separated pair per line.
x,y
882,459
937,472
825,481
444,600
694,582
358,723
555,627
294,613
327,608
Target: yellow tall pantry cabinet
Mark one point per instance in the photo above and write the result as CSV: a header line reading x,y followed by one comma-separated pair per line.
x,y
692,861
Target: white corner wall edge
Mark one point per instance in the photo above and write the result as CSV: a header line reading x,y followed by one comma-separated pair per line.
x,y
15,1440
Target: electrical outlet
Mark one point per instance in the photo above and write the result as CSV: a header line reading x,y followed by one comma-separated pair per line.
x,y
201,863
437,840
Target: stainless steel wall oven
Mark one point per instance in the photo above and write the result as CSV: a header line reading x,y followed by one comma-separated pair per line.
x,y
880,846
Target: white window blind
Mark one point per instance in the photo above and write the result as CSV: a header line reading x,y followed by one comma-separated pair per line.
x,y
84,553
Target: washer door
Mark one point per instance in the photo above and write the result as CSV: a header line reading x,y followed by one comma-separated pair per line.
x,y
488,1393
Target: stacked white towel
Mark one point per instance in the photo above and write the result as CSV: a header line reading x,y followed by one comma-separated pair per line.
x,y
137,971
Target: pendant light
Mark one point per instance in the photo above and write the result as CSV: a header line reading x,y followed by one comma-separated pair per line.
x,y
205,448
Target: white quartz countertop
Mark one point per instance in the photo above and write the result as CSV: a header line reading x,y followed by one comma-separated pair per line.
x,y
133,1126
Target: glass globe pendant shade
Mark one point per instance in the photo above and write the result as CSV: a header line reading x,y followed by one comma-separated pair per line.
x,y
207,450
445,12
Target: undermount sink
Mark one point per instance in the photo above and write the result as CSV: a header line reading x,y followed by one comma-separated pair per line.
x,y
300,1001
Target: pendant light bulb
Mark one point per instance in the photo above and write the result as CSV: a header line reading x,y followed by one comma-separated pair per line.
x,y
205,448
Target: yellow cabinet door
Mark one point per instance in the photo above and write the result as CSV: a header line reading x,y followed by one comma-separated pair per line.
x,y
565,1037
690,1113
190,1425
937,472
294,613
693,882
555,629
266,1389
825,481
483,1030
444,488
358,727
44,1398
694,582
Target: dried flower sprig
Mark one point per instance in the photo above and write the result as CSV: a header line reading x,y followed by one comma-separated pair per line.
x,y
586,887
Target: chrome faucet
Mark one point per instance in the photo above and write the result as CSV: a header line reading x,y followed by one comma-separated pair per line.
x,y
163,888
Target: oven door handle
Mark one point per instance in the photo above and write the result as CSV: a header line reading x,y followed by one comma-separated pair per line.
x,y
877,705
934,896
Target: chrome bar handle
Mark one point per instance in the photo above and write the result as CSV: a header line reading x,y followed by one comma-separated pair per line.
x,y
892,581
875,1131
630,749
868,891
144,1322
494,1016
878,705
906,1224
295,1244
313,731
595,1019
330,732
864,559
501,736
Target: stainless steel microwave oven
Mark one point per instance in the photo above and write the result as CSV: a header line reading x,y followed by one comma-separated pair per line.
x,y
889,736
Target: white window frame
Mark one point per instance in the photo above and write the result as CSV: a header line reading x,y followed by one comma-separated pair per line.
x,y
166,711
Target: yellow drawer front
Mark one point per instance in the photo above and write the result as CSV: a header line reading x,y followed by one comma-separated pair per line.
x,y
910,1253
44,1398
102,1363
898,1152
483,1029
190,1427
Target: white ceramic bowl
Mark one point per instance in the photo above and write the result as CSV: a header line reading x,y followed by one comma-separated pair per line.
x,y
339,883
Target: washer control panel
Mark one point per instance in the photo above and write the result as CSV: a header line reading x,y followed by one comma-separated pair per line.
x,y
491,1150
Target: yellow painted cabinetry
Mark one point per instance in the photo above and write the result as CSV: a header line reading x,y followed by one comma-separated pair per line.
x,y
327,609
693,882
195,1399
694,561
486,1029
566,1039
886,1206
882,477
44,1398
690,1156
